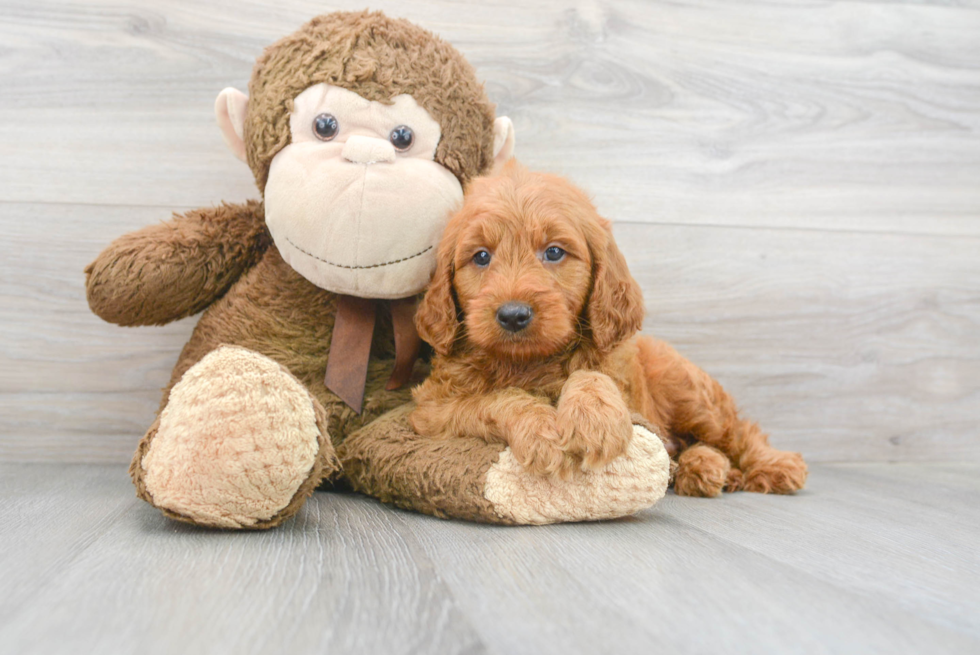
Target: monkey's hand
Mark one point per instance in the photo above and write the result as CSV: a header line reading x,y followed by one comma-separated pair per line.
x,y
177,268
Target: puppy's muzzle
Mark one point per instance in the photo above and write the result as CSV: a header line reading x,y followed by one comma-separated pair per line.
x,y
514,316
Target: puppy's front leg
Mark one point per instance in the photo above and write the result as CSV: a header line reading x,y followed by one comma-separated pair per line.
x,y
593,419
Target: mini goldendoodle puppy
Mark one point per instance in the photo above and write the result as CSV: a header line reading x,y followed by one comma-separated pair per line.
x,y
534,317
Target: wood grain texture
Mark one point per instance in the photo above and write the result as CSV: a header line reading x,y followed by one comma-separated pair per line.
x,y
795,186
119,579
871,558
851,115
845,346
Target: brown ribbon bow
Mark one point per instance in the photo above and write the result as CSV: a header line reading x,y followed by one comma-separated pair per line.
x,y
350,346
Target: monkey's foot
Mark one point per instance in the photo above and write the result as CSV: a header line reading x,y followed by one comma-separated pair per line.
x,y
240,444
634,481
468,478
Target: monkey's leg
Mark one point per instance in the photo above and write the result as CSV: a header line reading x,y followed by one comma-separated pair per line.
x,y
700,407
469,478
239,444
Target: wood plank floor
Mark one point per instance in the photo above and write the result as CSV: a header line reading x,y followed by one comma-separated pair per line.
x,y
871,558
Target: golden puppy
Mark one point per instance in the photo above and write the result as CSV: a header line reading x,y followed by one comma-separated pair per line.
x,y
533,316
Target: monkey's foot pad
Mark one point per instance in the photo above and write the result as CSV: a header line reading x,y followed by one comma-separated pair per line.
x,y
237,440
632,482
471,479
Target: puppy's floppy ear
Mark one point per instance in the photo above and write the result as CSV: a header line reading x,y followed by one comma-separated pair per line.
x,y
436,317
615,310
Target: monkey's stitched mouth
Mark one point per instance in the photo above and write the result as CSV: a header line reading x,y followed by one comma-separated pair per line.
x,y
357,268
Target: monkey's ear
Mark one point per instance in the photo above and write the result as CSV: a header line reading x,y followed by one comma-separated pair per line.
x,y
229,109
503,142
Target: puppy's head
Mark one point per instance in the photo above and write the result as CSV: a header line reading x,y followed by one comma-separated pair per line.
x,y
529,267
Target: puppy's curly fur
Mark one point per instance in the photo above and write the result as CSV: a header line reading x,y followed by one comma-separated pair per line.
x,y
560,385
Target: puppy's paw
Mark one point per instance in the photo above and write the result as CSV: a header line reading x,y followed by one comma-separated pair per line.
x,y
537,444
426,421
734,481
774,472
702,471
594,422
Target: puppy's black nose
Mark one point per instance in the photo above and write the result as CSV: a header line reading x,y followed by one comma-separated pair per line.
x,y
514,316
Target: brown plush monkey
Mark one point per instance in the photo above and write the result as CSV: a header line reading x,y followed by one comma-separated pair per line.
x,y
361,132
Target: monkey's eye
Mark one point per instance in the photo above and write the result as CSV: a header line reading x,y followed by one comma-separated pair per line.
x,y
325,127
482,259
554,254
402,137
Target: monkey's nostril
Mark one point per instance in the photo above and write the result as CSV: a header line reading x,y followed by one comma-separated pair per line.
x,y
514,316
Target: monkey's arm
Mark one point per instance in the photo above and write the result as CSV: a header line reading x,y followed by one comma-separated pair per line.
x,y
471,478
177,268
525,422
500,415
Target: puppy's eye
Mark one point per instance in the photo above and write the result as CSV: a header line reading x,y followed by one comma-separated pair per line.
x,y
402,138
325,127
554,254
482,259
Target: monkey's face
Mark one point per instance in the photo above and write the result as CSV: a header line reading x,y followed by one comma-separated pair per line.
x,y
356,202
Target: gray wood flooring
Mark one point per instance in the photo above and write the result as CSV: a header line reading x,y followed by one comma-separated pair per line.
x,y
871,558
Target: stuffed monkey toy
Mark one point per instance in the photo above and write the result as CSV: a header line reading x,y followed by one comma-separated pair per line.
x,y
362,132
